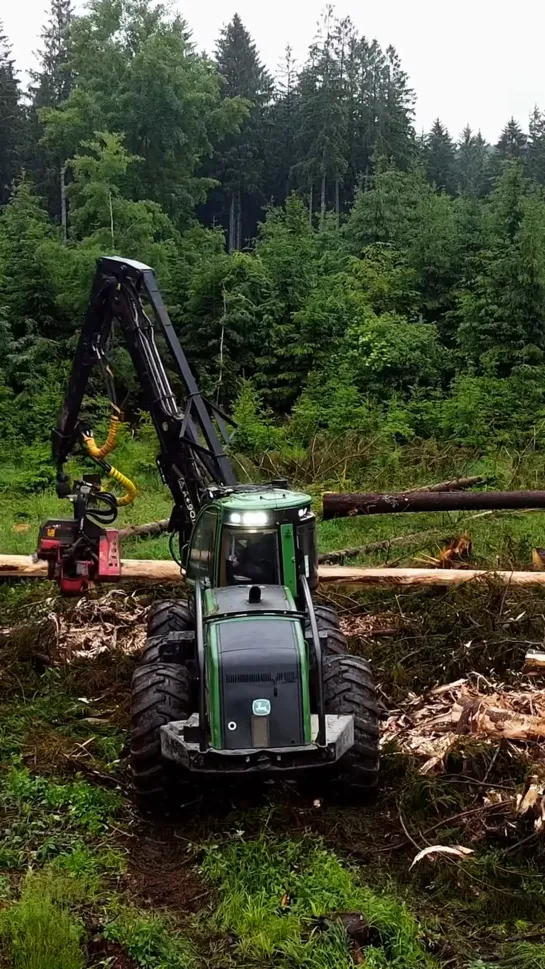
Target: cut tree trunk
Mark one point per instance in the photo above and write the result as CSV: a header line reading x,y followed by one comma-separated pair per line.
x,y
158,570
348,505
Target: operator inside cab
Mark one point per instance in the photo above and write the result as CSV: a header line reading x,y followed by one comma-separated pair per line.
x,y
251,557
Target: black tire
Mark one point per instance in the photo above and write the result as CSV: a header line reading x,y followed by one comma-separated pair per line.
x,y
160,694
349,689
328,622
327,615
170,616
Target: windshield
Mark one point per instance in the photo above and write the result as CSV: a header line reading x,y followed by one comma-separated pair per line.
x,y
249,556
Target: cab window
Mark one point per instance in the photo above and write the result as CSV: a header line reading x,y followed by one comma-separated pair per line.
x,y
201,555
249,557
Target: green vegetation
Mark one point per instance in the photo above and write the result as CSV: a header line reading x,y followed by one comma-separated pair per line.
x,y
285,898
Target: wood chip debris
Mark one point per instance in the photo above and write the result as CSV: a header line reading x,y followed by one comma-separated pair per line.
x,y
429,726
115,621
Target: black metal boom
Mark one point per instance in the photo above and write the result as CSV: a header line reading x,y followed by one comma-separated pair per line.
x,y
192,434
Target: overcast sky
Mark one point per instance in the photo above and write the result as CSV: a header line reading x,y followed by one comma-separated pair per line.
x,y
470,61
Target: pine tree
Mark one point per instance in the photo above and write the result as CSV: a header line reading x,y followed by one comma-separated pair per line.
x,y
11,119
473,164
536,147
513,142
240,156
440,158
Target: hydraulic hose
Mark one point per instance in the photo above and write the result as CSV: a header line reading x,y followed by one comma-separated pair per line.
x,y
130,487
96,452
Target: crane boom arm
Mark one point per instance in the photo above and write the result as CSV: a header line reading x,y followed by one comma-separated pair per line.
x,y
192,436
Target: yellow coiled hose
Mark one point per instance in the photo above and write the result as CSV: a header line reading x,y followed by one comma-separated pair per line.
x,y
99,453
127,484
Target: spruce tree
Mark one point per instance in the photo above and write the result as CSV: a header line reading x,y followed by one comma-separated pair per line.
x,y
323,120
52,85
513,142
536,147
11,119
473,164
239,160
281,133
440,158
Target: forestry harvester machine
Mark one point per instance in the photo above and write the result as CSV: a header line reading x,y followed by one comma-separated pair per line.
x,y
246,674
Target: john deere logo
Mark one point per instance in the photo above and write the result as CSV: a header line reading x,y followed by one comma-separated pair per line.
x,y
261,708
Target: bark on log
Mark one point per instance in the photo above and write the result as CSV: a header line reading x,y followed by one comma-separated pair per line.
x,y
534,662
457,484
159,570
348,505
144,531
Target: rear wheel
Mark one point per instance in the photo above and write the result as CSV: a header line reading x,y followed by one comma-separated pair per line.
x,y
349,689
170,616
327,621
160,693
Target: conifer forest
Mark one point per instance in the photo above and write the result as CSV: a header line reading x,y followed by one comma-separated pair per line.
x,y
367,301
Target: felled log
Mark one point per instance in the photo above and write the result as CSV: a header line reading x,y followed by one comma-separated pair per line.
x,y
457,484
144,531
339,555
353,576
159,570
534,661
348,505
151,570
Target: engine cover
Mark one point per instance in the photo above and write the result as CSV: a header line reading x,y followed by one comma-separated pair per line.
x,y
260,670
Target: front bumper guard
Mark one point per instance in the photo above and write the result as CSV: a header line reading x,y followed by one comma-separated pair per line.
x,y
178,746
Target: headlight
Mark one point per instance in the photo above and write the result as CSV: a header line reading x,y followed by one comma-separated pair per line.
x,y
255,518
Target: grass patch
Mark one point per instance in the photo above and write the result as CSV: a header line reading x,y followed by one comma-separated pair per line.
x,y
151,940
44,819
282,898
40,931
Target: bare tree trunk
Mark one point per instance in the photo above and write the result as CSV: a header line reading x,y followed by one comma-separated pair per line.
x,y
338,202
232,223
64,212
322,203
310,204
239,221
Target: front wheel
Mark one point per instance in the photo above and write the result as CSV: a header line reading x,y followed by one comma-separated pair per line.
x,y
349,689
161,693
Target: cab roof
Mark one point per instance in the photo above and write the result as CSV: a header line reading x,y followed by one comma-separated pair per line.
x,y
270,499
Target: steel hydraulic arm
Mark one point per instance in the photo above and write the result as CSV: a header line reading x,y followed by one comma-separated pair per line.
x,y
192,432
